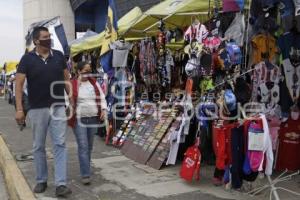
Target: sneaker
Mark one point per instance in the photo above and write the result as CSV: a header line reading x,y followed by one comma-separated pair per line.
x,y
86,180
40,188
62,191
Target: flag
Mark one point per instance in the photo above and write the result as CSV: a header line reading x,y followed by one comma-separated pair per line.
x,y
110,36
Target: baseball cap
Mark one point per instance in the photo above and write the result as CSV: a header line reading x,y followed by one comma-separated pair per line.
x,y
234,52
233,5
224,59
230,100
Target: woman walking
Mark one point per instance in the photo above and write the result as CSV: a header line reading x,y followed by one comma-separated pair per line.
x,y
88,111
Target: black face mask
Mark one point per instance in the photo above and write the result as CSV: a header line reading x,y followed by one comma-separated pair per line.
x,y
46,43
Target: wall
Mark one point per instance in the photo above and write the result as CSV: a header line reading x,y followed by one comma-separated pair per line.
x,y
100,16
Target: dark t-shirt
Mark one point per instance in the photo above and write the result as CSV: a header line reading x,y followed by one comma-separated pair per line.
x,y
44,77
287,41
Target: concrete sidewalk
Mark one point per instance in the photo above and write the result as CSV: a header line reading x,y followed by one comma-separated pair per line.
x,y
116,177
3,191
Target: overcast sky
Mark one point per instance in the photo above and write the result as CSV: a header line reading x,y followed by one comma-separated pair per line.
x,y
11,34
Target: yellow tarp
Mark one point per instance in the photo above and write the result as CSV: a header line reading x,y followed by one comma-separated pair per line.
x,y
96,41
125,23
11,67
175,13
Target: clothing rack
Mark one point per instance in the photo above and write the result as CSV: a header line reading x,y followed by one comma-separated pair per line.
x,y
224,82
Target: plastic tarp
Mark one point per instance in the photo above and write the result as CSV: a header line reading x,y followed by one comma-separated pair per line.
x,y
96,41
175,13
11,67
86,35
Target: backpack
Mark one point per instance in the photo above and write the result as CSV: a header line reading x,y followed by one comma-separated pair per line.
x,y
191,163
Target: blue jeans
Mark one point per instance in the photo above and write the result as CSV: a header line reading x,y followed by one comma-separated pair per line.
x,y
84,130
44,120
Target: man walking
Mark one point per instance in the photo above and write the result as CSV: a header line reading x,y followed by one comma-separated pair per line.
x,y
45,70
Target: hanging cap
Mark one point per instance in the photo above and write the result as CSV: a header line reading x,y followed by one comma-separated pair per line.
x,y
230,100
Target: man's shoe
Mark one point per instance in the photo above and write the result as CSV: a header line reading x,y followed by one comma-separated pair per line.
x,y
86,180
40,188
62,191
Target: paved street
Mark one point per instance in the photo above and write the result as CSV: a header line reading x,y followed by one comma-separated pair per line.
x,y
115,177
3,192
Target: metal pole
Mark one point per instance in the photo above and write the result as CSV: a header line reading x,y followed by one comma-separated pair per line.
x,y
273,188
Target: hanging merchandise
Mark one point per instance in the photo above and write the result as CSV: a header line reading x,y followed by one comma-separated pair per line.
x,y
212,43
175,138
122,85
193,50
147,62
287,10
236,30
242,91
268,93
234,52
297,14
266,22
262,147
230,103
191,164
213,24
274,126
196,31
289,146
229,56
224,60
169,64
120,52
287,42
237,149
165,66
292,78
233,5
192,97
222,148
264,47
178,74
263,8
265,86
206,61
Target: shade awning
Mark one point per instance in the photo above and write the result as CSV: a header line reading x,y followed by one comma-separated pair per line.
x,y
11,67
175,14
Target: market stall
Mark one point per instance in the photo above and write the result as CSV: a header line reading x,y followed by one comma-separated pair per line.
x,y
209,82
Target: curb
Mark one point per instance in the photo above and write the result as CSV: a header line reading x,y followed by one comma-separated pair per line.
x,y
17,187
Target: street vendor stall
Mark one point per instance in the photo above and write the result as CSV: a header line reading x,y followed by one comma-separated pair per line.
x,y
187,89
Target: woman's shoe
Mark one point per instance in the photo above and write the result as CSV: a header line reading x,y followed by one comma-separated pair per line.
x,y
86,180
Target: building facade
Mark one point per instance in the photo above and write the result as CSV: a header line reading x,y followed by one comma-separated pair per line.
x,y
78,15
38,10
91,14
